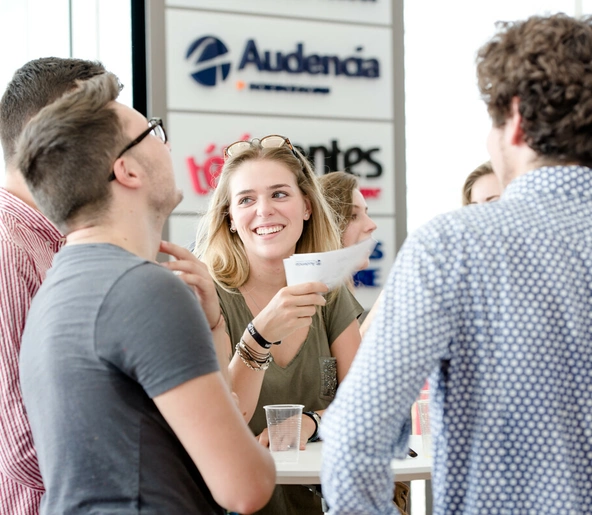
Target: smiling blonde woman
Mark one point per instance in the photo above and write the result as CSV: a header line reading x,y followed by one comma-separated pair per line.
x,y
288,344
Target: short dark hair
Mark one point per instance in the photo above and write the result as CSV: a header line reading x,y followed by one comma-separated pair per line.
x,y
66,152
33,86
546,62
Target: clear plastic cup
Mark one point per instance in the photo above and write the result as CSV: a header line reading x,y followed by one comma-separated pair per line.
x,y
423,407
283,423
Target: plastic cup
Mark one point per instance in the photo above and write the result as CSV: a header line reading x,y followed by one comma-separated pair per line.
x,y
283,424
423,407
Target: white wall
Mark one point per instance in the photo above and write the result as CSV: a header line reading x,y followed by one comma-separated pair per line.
x,y
446,122
41,28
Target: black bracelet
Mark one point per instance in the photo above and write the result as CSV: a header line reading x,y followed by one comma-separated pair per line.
x,y
316,418
258,338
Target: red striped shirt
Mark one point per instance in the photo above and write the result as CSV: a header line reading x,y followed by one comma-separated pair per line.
x,y
28,242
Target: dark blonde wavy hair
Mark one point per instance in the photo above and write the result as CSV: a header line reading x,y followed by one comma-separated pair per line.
x,y
545,62
223,251
338,188
477,173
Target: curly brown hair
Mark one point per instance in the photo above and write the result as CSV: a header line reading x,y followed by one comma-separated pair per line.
x,y
546,62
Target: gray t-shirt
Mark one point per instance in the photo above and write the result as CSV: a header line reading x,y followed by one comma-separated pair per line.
x,y
106,333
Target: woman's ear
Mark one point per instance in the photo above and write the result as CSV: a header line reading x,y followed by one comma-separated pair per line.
x,y
308,209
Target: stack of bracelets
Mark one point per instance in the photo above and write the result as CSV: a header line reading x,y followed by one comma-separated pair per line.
x,y
253,359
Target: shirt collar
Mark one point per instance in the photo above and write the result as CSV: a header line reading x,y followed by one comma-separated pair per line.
x,y
568,180
30,217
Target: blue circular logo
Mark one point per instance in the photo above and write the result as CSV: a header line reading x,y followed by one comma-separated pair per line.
x,y
209,69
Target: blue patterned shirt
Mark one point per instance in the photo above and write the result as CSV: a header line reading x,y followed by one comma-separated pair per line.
x,y
494,303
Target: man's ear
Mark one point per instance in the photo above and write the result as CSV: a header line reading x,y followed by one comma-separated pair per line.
x,y
514,129
126,172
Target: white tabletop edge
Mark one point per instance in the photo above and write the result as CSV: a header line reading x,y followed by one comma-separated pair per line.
x,y
308,469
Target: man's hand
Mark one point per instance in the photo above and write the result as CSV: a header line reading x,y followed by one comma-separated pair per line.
x,y
195,274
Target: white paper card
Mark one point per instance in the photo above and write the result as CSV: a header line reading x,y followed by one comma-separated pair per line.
x,y
332,268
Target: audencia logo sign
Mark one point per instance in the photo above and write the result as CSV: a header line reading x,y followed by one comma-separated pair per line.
x,y
212,65
207,50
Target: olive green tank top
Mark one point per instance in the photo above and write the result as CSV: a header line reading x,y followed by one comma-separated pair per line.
x,y
311,377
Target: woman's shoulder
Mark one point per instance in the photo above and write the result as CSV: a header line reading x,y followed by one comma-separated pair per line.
x,y
232,296
342,305
343,298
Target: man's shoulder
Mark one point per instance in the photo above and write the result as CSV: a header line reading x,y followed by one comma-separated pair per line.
x,y
17,234
148,280
470,230
483,219
22,253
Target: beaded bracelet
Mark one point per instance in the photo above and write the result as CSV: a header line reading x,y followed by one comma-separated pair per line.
x,y
251,358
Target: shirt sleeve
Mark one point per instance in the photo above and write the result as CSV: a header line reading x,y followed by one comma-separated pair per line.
x,y
340,313
18,283
152,328
368,423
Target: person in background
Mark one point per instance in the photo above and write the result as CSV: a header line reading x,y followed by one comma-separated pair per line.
x,y
481,186
493,304
120,379
288,344
342,191
28,241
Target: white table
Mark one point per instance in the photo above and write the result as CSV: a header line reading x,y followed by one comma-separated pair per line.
x,y
308,469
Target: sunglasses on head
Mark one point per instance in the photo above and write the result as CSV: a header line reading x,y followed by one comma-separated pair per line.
x,y
271,141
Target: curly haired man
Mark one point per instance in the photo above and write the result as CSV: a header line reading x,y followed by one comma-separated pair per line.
x,y
493,303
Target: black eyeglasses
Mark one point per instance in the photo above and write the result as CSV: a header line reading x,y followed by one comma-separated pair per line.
x,y
271,141
156,127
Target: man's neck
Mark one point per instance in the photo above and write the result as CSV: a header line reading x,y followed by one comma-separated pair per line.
x,y
15,184
138,240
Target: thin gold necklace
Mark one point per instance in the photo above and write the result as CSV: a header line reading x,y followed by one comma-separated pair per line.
x,y
254,301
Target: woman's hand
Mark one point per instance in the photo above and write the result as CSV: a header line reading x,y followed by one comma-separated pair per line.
x,y
290,309
195,274
307,429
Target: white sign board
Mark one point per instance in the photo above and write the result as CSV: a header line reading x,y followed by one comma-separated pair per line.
x,y
359,11
220,62
365,148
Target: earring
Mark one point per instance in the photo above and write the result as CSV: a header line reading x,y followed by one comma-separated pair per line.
x,y
306,215
232,227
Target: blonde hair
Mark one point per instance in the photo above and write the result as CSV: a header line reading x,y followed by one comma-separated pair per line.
x,y
224,252
338,188
477,173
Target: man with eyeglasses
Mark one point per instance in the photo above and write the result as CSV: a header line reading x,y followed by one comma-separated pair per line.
x,y
129,409
28,242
